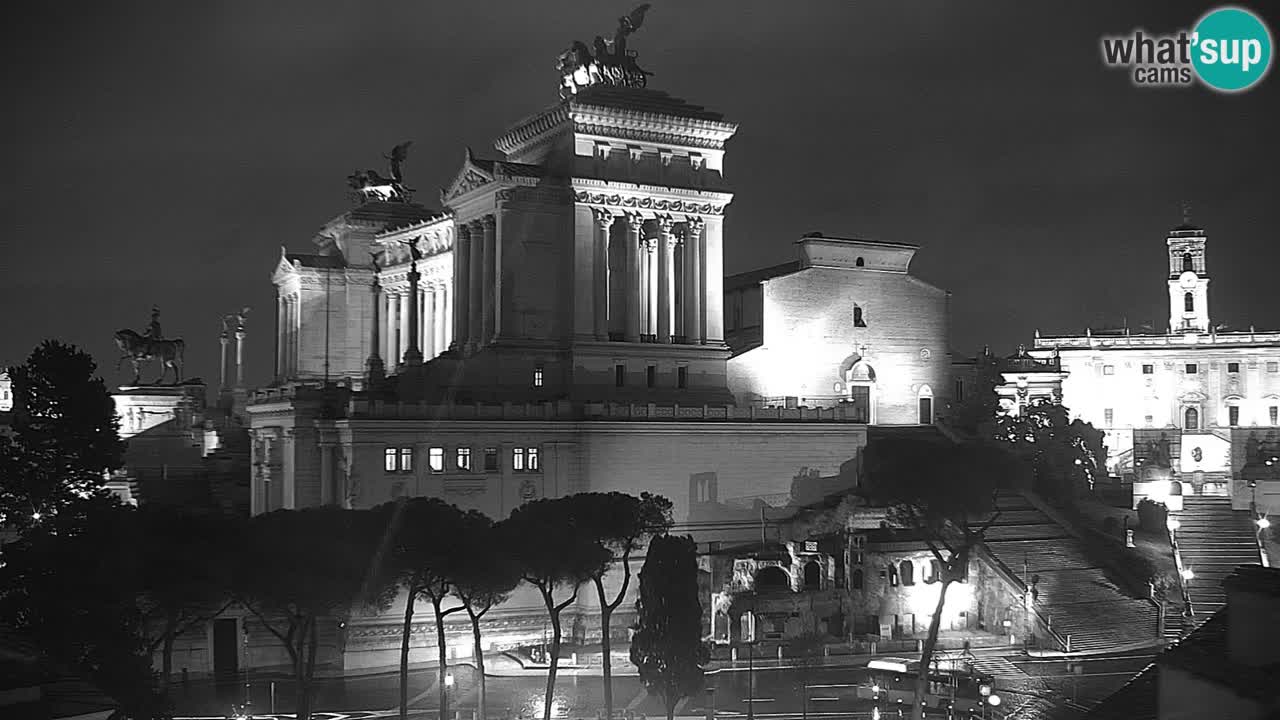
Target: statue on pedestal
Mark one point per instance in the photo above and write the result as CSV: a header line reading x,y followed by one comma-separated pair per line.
x,y
142,348
369,185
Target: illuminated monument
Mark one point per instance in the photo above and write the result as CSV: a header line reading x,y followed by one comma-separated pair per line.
x,y
558,326
1197,404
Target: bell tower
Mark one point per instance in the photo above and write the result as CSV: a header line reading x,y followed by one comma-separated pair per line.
x,y
1188,278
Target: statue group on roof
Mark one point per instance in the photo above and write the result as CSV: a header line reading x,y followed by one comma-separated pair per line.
x,y
607,62
370,185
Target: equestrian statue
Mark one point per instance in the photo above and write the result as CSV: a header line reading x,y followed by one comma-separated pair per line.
x,y
143,348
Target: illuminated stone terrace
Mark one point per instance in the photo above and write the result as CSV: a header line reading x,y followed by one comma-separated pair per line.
x,y
1113,339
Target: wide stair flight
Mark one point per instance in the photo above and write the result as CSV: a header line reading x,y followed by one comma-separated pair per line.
x,y
1212,540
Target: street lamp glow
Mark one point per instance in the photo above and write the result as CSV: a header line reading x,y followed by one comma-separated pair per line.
x,y
993,700
1173,523
448,680
1187,574
1263,523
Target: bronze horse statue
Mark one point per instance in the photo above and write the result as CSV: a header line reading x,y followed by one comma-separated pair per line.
x,y
138,350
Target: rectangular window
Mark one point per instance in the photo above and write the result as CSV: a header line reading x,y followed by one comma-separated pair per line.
x,y
682,377
1108,369
651,376
435,459
1233,415
1192,369
619,375
1148,369
1149,420
464,458
537,376
1233,367
1108,417
1273,366
491,458
389,460
959,390
1274,413
517,459
531,455
406,459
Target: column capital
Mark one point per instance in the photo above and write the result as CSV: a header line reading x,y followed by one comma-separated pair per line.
x,y
665,224
463,231
694,223
634,221
604,217
488,222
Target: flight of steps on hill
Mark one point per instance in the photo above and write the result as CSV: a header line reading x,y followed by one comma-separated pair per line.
x,y
1212,540
1073,592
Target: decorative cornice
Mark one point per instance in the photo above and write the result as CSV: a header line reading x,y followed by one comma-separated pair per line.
x,y
651,126
532,129
633,202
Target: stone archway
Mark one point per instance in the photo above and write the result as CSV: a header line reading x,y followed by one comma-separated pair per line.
x,y
772,579
860,382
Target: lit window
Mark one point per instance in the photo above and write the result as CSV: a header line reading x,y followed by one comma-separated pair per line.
x,y
406,459
531,454
651,376
682,377
517,459
389,460
1274,413
619,375
1148,369
435,459
464,458
1233,367
1189,302
1233,415
491,458
1273,366
1108,369
1108,416
1192,369
537,376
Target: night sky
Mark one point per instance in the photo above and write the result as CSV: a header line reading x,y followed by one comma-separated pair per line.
x,y
161,153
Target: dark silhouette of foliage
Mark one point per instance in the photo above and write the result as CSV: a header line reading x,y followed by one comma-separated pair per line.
x,y
667,647
65,436
483,582
554,550
1066,457
621,523
945,493
310,565
1152,516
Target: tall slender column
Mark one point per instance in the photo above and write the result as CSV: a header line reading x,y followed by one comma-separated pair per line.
x,y
393,328
240,358
222,359
403,320
651,285
634,293
475,296
373,366
291,354
692,281
490,308
280,323
604,221
446,327
462,283
429,321
413,351
666,278
713,277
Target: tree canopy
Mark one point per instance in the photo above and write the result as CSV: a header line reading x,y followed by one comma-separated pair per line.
x,y
1065,456
667,647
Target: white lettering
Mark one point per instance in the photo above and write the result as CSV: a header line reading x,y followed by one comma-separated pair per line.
x,y
1209,51
1252,54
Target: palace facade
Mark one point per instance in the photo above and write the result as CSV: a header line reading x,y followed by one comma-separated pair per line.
x,y
1191,410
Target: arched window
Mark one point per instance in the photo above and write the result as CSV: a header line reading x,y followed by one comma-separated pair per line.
x,y
858,320
855,580
935,573
1189,302
772,578
908,572
1191,419
1187,264
812,575
1175,487
859,262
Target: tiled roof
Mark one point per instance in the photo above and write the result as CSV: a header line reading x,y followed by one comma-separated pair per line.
x,y
645,101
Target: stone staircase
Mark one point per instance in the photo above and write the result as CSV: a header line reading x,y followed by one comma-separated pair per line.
x,y
1074,593
1212,540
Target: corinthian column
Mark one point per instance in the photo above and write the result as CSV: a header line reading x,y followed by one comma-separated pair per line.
x,y
429,319
373,366
604,220
444,310
412,352
489,306
693,281
634,293
666,278
462,285
651,286
475,296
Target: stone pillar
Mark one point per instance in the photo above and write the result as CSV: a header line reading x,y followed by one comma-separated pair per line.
x,y
462,283
713,279
222,361
291,336
413,352
490,305
692,281
438,312
475,296
404,318
651,286
604,221
633,225
374,368
429,322
279,336
393,328
445,327
239,358
666,278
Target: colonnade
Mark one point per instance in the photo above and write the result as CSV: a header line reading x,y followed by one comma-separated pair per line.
x,y
435,307
476,263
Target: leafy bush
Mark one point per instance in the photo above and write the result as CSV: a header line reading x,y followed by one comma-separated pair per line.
x,y
1152,516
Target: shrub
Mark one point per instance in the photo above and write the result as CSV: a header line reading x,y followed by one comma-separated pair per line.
x,y
1152,515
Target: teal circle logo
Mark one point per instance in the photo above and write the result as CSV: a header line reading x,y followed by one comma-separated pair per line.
x,y
1231,49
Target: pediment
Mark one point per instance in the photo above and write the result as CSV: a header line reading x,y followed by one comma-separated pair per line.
x,y
469,177
284,267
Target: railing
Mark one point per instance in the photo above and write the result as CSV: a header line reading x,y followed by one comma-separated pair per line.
x,y
1043,620
1192,338
565,410
1182,578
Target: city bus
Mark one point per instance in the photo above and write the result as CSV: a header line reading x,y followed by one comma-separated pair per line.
x,y
954,689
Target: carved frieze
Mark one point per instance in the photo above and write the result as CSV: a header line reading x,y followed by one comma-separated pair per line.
x,y
648,203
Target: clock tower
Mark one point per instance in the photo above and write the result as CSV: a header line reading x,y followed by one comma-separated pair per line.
x,y
1188,280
